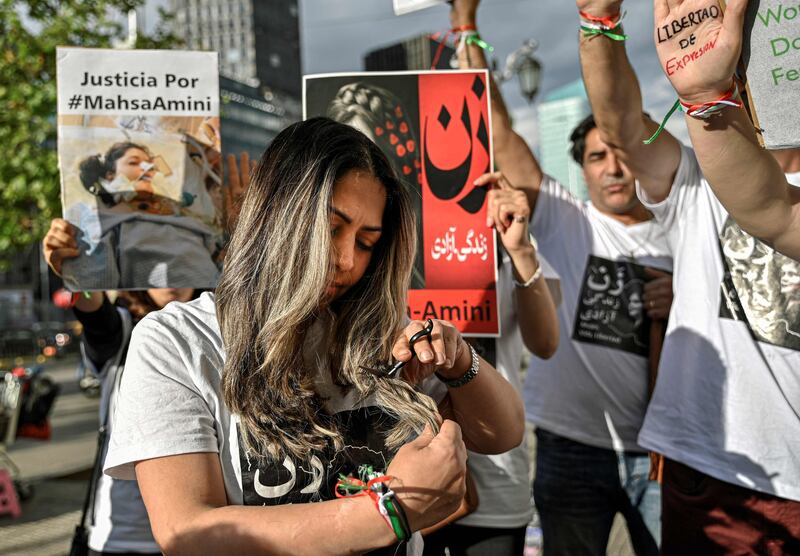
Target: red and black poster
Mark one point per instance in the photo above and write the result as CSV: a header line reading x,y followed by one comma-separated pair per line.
x,y
434,127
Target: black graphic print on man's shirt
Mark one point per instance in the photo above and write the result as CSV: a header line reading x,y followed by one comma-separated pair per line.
x,y
610,310
761,288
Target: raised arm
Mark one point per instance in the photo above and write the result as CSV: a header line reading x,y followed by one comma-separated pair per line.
x,y
511,153
616,101
748,181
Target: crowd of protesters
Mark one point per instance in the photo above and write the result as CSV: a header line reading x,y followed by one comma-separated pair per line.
x,y
241,410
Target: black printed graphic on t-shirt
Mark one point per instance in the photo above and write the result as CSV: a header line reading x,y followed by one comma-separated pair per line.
x,y
610,311
761,288
266,482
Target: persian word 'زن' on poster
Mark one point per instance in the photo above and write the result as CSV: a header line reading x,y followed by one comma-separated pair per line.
x,y
139,155
434,129
610,311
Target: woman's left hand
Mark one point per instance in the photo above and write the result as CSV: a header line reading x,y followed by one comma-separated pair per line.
x,y
445,352
508,211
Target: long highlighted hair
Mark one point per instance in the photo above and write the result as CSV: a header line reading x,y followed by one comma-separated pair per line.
x,y
273,287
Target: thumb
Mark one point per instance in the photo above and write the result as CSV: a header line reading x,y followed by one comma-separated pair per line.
x,y
425,438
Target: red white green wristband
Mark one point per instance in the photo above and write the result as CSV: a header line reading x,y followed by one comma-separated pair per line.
x,y
703,111
610,27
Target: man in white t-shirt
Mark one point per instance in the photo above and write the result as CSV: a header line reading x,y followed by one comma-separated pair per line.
x,y
588,401
726,409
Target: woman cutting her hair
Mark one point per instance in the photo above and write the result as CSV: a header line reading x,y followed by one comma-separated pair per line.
x,y
240,409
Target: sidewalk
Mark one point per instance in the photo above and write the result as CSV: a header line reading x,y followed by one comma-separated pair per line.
x,y
57,469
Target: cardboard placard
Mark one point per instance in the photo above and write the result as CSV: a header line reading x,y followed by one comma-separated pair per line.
x,y
771,62
139,155
434,127
402,7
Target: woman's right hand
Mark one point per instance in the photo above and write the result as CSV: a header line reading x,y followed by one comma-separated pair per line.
x,y
429,475
59,243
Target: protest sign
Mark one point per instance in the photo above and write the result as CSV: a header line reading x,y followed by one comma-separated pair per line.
x,y
434,128
139,155
402,7
610,309
771,61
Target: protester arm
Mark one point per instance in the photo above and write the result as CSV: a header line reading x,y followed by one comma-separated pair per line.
x,y
508,212
189,513
748,181
102,327
511,153
616,100
487,407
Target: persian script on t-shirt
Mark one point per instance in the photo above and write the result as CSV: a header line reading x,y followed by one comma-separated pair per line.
x,y
761,288
610,310
266,482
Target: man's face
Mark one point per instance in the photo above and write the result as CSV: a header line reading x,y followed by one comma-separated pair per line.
x,y
610,183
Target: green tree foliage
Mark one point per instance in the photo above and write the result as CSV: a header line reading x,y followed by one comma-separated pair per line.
x,y
30,30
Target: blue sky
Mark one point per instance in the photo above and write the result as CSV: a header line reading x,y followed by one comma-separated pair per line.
x,y
335,34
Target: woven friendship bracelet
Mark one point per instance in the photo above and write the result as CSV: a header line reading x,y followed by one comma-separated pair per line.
x,y
607,26
703,111
707,109
464,35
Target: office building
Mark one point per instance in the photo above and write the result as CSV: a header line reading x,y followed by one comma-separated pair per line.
x,y
258,40
416,53
559,112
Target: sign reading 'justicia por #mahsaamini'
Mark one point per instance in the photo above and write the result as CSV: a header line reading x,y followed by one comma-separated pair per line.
x,y
111,81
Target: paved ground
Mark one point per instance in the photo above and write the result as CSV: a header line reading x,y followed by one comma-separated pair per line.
x,y
58,470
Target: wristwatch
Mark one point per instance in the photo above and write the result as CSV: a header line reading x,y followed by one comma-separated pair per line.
x,y
467,377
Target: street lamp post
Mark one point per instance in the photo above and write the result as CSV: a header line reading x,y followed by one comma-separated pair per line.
x,y
522,63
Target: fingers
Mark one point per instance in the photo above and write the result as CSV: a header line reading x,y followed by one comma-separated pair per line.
x,y
57,257
658,286
506,208
658,297
651,273
489,178
61,225
425,437
450,435
660,9
450,432
733,21
234,179
674,4
401,350
244,161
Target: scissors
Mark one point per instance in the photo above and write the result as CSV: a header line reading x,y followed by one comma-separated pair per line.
x,y
426,332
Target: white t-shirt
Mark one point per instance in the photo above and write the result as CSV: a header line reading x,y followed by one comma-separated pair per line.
x,y
502,480
594,389
726,404
170,404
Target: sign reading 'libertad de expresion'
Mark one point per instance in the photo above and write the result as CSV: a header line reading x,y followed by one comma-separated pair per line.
x,y
771,59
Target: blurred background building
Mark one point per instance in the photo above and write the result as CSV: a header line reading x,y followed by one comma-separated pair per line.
x,y
558,114
415,53
259,61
